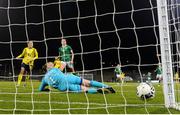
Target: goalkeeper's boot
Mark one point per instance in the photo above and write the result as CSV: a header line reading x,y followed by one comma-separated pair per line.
x,y
111,89
103,90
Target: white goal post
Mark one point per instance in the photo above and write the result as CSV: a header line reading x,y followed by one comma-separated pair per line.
x,y
168,83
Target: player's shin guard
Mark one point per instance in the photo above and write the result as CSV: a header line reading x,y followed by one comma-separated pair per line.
x,y
92,90
19,79
26,80
97,84
27,77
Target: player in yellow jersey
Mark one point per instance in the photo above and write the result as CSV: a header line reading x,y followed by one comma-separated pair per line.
x,y
59,64
29,54
177,77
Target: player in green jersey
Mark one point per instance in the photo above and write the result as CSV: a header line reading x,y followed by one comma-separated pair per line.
x,y
66,54
159,73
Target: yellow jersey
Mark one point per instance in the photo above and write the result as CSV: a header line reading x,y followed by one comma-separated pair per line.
x,y
29,55
122,75
57,63
176,76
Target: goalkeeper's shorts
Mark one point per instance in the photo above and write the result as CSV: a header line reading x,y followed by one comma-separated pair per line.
x,y
69,87
73,83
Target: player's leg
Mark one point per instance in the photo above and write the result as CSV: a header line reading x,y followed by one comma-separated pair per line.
x,y
103,87
90,90
159,78
27,78
71,66
122,78
106,90
80,88
75,83
63,65
21,74
25,74
73,79
117,77
93,83
28,69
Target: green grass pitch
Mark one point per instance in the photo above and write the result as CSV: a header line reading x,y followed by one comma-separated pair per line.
x,y
27,100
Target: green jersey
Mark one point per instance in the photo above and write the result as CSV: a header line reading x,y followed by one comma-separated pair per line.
x,y
65,53
118,70
158,70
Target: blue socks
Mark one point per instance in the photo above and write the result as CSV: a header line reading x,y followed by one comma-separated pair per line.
x,y
97,84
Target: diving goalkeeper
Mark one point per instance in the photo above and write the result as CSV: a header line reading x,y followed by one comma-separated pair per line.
x,y
29,54
69,82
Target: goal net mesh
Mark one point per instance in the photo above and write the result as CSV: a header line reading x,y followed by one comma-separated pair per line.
x,y
102,34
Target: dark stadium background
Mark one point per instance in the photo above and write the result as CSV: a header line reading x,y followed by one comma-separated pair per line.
x,y
69,29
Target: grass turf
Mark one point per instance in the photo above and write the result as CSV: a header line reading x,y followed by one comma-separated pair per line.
x,y
28,100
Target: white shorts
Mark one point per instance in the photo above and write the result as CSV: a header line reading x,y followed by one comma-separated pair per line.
x,y
159,76
118,75
68,64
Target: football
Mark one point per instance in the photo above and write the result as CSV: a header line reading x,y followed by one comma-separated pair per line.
x,y
145,91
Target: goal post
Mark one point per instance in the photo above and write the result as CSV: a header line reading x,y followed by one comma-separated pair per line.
x,y
168,83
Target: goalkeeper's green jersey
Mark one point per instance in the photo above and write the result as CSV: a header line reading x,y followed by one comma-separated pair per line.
x,y
118,70
65,53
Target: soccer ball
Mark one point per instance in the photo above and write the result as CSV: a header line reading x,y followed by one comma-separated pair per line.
x,y
145,91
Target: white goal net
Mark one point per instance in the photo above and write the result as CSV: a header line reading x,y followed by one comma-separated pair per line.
x,y
102,34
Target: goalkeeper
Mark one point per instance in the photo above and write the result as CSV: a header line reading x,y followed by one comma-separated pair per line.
x,y
29,54
69,82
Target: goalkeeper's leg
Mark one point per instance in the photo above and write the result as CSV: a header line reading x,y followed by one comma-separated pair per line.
x,y
93,83
93,90
78,88
101,87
